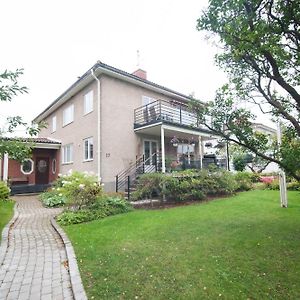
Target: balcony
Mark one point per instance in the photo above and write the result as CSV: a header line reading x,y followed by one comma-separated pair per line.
x,y
161,111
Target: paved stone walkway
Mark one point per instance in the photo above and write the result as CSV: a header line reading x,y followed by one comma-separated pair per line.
x,y
35,265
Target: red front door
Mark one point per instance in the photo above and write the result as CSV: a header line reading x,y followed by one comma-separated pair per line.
x,y
42,170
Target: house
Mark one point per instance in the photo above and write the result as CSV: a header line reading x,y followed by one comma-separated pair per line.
x,y
117,124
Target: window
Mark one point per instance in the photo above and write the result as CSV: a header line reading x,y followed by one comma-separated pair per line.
x,y
88,102
54,166
68,115
27,166
88,149
67,155
54,124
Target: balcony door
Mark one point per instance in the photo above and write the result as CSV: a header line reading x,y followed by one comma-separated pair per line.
x,y
150,155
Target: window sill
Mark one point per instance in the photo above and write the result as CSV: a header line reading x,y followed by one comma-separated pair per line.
x,y
87,113
67,124
88,160
67,163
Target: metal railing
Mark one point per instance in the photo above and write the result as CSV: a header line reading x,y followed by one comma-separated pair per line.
x,y
161,110
127,178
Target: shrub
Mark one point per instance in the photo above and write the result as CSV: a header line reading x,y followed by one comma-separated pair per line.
x,y
293,186
79,189
187,185
75,217
149,185
272,185
52,199
4,191
244,181
104,206
239,162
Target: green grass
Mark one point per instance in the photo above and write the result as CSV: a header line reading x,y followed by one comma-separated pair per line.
x,y
243,247
6,213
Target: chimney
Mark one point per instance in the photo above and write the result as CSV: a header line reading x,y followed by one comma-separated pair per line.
x,y
140,73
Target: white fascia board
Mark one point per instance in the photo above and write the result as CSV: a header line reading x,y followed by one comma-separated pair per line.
x,y
189,131
46,146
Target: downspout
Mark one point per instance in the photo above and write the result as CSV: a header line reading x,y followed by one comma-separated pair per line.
x,y
98,126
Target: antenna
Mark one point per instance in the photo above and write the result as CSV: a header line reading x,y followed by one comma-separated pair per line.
x,y
138,58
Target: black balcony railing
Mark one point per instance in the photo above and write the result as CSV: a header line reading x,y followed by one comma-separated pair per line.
x,y
170,112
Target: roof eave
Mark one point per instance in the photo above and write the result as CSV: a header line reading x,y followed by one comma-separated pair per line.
x,y
85,79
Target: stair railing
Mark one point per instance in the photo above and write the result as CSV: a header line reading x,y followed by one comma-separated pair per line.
x,y
128,176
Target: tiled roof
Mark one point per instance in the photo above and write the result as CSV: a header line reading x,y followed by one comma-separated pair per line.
x,y
39,140
108,67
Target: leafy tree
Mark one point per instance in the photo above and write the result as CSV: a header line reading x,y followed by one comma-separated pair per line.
x,y
9,88
239,162
260,47
254,162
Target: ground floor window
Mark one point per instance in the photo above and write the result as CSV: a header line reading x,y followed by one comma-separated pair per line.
x,y
88,149
185,152
67,155
27,166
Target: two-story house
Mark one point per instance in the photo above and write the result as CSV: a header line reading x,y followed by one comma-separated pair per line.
x,y
111,122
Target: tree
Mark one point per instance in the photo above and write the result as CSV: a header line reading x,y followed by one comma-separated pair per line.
x,y
260,51
242,158
9,88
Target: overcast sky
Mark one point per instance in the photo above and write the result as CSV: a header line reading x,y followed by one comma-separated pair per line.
x,y
57,41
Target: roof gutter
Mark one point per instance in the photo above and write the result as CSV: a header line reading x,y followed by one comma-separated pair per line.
x,y
98,126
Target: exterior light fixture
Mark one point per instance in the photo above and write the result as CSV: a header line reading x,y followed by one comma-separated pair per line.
x,y
175,141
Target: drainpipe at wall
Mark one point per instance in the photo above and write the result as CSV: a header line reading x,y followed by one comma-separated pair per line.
x,y
98,126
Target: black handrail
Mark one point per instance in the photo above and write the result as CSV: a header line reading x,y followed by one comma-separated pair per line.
x,y
134,169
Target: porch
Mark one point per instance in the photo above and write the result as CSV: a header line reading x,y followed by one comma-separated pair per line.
x,y
35,173
171,147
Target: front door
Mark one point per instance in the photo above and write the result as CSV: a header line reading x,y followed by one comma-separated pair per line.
x,y
42,170
150,151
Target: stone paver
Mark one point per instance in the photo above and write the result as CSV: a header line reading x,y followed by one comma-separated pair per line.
x,y
35,264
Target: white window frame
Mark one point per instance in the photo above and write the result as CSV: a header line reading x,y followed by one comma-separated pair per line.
x,y
90,142
88,102
65,158
68,115
54,124
32,167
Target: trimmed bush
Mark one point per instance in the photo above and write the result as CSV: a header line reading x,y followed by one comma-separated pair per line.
x,y
186,185
4,191
149,185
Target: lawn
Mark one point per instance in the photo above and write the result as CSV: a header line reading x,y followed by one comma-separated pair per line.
x,y
242,247
6,213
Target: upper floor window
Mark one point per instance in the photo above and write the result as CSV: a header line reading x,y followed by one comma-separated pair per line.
x,y
88,102
88,148
54,124
68,115
67,154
